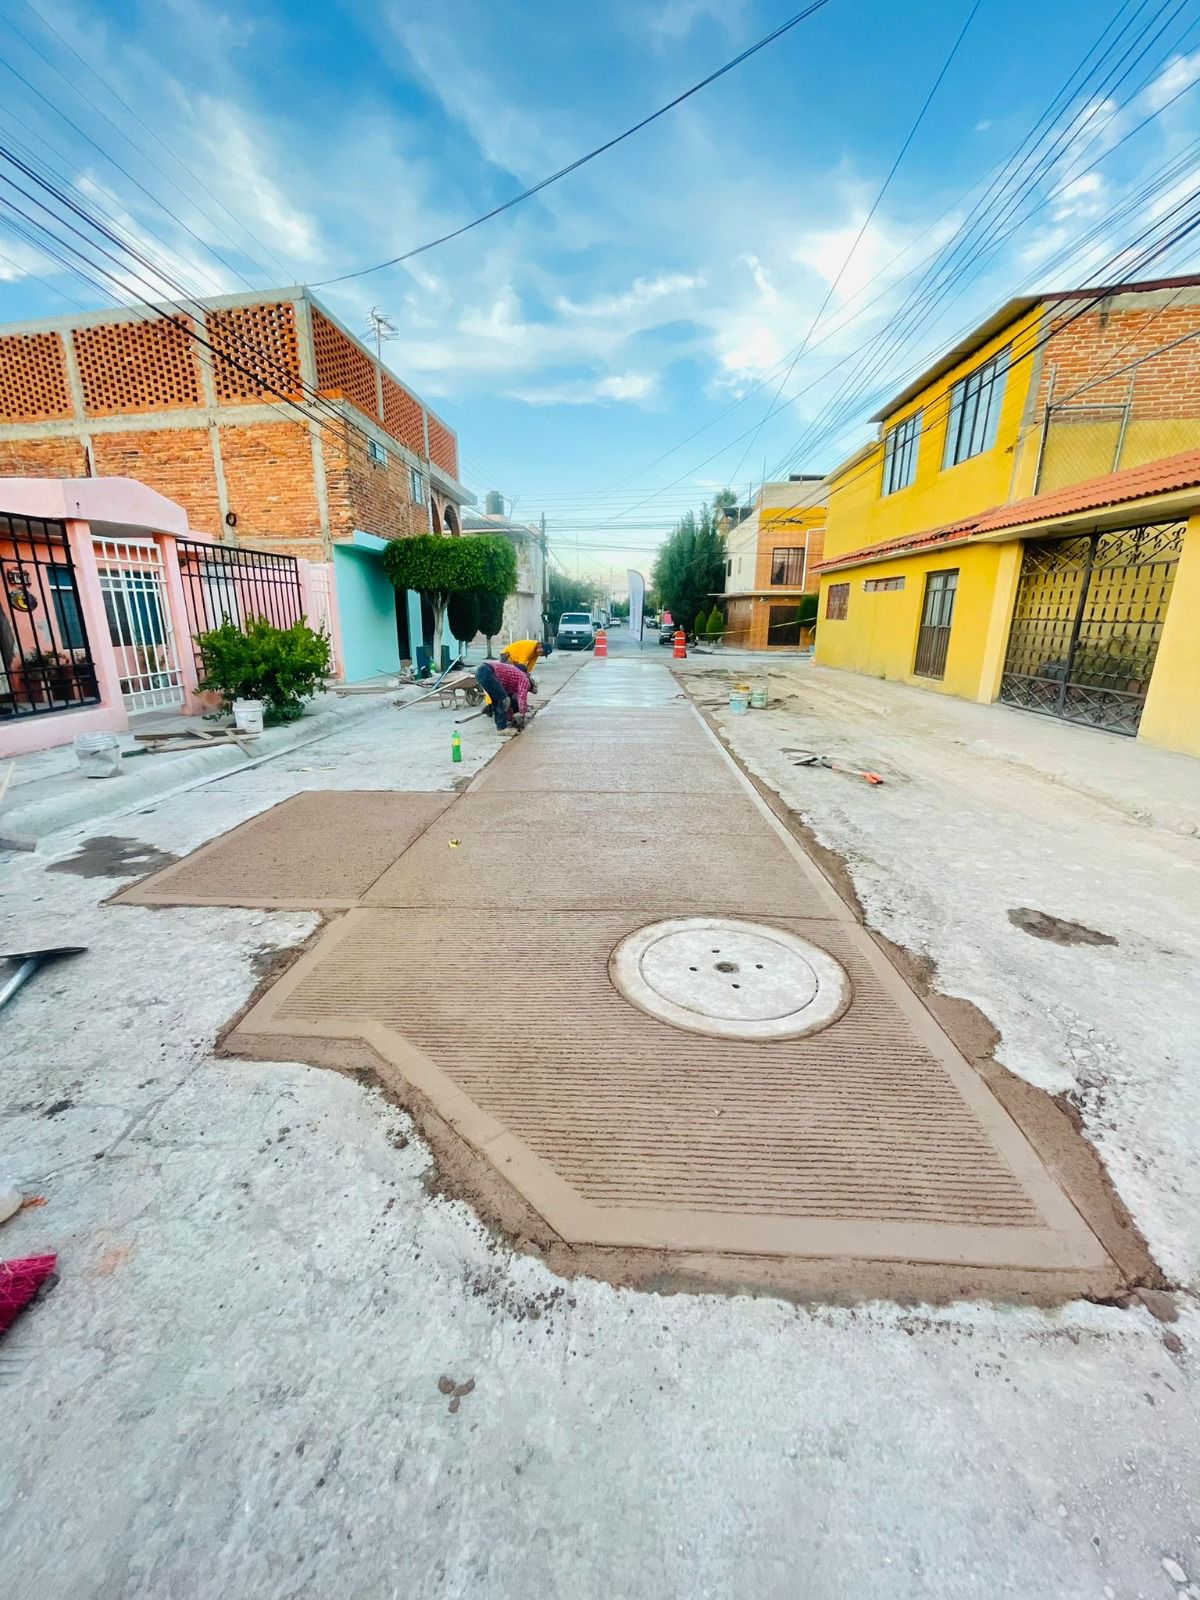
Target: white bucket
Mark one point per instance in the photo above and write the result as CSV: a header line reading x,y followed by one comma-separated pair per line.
x,y
738,703
98,754
248,716
758,699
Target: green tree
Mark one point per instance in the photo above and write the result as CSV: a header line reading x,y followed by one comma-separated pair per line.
x,y
806,610
690,566
700,626
437,566
716,622
491,614
462,613
569,594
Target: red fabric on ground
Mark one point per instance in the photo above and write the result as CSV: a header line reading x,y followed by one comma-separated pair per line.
x,y
19,1282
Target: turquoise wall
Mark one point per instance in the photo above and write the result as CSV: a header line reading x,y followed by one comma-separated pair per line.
x,y
367,611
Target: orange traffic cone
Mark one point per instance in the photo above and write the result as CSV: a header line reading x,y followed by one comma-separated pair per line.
x,y
601,644
680,651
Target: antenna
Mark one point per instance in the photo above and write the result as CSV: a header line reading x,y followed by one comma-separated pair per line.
x,y
380,327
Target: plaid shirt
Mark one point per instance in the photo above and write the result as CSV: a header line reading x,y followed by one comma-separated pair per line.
x,y
513,681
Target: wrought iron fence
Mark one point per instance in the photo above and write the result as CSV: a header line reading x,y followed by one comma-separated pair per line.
x,y
45,659
226,583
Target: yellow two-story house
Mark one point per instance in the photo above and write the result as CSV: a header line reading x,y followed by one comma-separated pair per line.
x,y
1026,524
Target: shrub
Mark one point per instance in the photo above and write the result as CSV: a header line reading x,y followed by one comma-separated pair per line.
x,y
491,614
462,613
701,624
716,623
282,666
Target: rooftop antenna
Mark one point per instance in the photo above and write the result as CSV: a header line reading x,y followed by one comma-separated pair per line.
x,y
380,327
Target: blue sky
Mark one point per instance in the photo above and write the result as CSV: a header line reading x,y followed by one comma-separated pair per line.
x,y
581,337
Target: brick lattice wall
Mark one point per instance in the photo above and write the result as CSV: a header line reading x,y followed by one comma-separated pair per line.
x,y
33,378
261,339
443,446
137,366
402,415
342,366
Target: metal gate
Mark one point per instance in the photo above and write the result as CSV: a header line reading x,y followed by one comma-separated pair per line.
x,y
1087,622
139,623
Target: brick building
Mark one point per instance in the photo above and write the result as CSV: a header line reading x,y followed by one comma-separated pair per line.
x,y
268,422
772,553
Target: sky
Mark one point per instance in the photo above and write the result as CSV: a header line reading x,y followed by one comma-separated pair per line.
x,y
725,296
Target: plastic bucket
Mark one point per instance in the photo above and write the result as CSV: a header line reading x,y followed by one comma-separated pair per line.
x,y
738,702
248,716
758,699
98,754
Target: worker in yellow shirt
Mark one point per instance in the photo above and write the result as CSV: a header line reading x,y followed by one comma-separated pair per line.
x,y
522,653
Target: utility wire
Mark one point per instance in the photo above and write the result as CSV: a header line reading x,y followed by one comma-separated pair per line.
x,y
581,161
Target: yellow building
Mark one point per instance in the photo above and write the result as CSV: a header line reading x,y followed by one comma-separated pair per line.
x,y
1019,529
772,554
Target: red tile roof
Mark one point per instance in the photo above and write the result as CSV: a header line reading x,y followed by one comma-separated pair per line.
x,y
1113,489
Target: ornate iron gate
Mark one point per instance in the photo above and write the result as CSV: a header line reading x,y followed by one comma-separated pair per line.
x,y
1087,622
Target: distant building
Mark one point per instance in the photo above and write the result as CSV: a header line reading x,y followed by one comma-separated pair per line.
x,y
772,547
264,418
522,610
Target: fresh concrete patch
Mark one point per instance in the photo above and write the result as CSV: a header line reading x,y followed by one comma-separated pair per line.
x,y
320,850
106,855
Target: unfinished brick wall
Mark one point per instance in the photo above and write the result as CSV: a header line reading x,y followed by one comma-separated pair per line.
x,y
178,462
271,485
42,458
255,354
137,366
366,494
33,378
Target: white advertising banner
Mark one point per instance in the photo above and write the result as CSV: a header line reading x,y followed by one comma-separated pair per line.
x,y
637,603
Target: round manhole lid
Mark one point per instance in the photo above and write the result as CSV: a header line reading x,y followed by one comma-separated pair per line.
x,y
731,979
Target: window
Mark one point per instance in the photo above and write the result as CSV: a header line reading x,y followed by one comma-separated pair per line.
x,y
66,609
729,567
900,454
837,602
874,585
975,410
416,486
377,453
787,567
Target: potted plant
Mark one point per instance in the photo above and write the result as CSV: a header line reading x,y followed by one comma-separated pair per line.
x,y
263,673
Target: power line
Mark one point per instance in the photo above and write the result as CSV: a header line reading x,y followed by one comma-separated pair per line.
x,y
581,161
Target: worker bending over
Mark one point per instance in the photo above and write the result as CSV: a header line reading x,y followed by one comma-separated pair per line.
x,y
523,653
507,687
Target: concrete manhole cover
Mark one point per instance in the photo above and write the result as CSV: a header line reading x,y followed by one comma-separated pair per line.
x,y
732,979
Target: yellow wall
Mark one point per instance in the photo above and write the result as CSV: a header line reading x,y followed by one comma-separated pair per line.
x,y
859,515
1172,714
879,635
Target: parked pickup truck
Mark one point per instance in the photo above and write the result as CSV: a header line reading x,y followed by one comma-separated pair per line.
x,y
575,631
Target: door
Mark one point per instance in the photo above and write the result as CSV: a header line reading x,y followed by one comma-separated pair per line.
x,y
1086,624
139,623
937,613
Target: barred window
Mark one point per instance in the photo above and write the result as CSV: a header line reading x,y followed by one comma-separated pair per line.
x,y
873,585
900,454
837,602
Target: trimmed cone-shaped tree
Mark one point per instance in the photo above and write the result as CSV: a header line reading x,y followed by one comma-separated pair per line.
x,y
716,623
700,626
491,614
437,566
462,613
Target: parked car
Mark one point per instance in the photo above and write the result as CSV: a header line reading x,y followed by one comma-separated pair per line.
x,y
666,632
575,631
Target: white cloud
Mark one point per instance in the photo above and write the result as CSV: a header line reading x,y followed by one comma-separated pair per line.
x,y
636,387
983,125
1175,78
643,292
674,19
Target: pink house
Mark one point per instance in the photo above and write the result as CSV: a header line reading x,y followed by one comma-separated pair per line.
x,y
103,587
